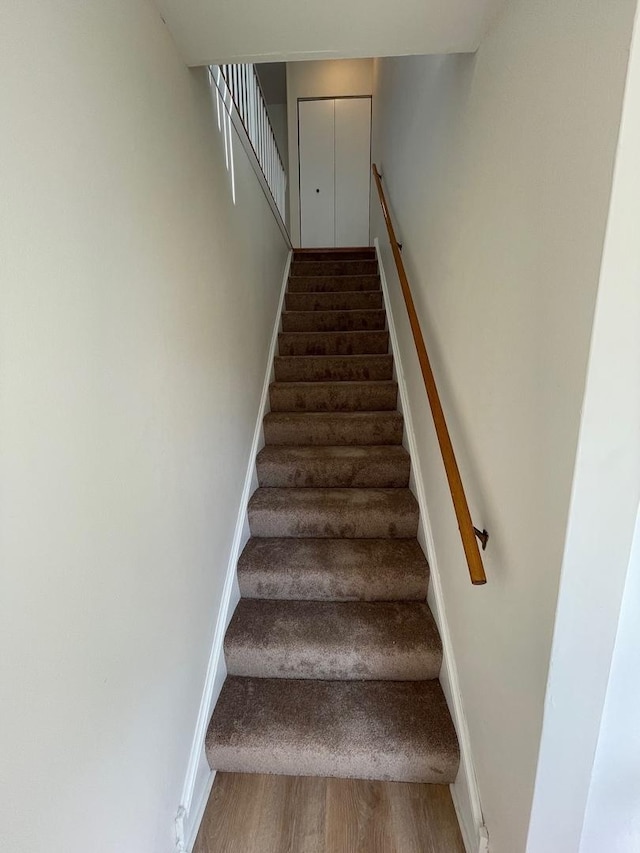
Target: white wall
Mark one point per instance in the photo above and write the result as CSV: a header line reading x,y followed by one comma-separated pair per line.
x,y
498,168
318,79
595,569
137,302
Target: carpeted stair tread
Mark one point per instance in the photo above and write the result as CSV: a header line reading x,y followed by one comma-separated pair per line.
x,y
333,343
341,396
332,283
334,569
333,428
331,301
348,253
389,730
359,266
337,513
333,368
332,321
333,640
382,466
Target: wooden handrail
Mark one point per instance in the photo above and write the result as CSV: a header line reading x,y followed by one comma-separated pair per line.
x,y
468,532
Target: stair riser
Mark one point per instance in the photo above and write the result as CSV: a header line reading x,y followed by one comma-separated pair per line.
x,y
331,343
350,368
332,321
338,397
281,762
357,267
338,474
333,570
308,663
328,584
332,283
367,253
378,428
391,767
387,641
344,522
347,301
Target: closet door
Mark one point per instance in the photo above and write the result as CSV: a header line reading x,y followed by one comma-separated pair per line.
x,y
352,171
317,172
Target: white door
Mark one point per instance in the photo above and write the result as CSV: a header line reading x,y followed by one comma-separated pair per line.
x,y
335,163
352,170
317,171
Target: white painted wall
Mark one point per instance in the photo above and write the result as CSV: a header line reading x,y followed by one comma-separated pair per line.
x,y
498,168
318,79
254,31
136,306
596,580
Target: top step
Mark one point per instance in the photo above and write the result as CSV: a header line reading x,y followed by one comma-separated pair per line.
x,y
359,266
353,253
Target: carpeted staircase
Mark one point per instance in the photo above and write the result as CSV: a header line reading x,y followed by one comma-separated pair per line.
x,y
332,653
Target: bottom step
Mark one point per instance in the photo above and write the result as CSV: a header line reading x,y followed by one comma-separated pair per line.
x,y
392,731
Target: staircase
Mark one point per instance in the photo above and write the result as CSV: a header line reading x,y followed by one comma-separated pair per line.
x,y
332,654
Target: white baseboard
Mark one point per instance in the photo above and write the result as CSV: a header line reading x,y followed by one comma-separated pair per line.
x,y
199,779
464,791
187,825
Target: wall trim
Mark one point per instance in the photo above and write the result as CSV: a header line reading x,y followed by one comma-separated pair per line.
x,y
464,792
187,825
197,786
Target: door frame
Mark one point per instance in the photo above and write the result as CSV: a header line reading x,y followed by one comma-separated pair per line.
x,y
333,98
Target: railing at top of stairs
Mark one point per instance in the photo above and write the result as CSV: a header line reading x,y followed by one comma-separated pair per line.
x,y
240,91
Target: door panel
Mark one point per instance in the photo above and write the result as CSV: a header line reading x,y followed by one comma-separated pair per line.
x,y
317,172
352,171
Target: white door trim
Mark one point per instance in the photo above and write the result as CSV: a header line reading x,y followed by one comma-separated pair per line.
x,y
334,98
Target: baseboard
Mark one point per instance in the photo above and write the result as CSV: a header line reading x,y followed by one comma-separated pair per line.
x,y
474,834
464,791
198,781
187,826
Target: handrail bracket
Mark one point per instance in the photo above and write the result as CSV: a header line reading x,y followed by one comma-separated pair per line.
x,y
483,536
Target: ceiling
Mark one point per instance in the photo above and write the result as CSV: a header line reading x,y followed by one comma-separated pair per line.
x,y
212,31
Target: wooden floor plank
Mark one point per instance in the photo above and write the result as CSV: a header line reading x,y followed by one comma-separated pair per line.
x,y
357,816
302,816
253,813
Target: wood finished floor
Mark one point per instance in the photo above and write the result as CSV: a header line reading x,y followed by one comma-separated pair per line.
x,y
250,813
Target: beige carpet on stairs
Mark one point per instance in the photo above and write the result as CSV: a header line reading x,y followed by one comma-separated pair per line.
x,y
332,653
